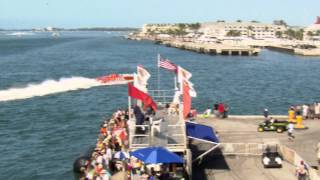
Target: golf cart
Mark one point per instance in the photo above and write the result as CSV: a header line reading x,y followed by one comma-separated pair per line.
x,y
271,157
273,125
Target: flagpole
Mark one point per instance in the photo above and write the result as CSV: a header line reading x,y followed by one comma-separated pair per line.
x,y
175,83
129,107
181,118
158,73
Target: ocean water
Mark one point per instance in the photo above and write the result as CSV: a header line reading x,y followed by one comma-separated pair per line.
x,y
40,137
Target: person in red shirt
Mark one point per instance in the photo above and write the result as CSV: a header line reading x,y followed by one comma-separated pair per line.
x,y
221,110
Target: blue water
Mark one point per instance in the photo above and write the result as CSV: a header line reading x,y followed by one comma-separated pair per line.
x,y
40,137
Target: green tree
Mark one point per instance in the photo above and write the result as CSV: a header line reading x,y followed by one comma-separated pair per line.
x,y
239,20
233,33
292,34
282,22
182,26
310,33
299,34
279,34
195,26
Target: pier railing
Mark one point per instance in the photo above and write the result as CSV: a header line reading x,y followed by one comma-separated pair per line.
x,y
162,96
174,140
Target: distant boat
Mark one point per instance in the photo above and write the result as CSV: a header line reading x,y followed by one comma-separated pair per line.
x,y
55,34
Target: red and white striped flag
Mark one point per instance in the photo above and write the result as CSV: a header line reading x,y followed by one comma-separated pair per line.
x,y
167,64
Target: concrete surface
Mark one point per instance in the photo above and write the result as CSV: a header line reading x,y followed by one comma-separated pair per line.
x,y
244,130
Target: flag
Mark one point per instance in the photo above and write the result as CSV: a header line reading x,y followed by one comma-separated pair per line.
x,y
143,74
167,64
145,98
192,92
139,83
183,75
186,100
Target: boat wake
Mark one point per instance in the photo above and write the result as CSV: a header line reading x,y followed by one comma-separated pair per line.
x,y
49,87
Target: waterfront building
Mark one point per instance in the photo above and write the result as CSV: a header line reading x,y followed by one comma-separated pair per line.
x,y
256,30
210,31
312,32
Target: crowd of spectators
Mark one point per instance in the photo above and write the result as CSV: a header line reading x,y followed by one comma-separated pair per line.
x,y
111,157
308,111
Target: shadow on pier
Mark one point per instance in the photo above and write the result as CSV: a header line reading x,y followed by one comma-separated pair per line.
x,y
203,168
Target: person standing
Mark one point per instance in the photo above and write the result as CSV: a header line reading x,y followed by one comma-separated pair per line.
x,y
226,110
317,110
318,152
291,115
290,131
265,113
305,109
207,112
302,171
221,110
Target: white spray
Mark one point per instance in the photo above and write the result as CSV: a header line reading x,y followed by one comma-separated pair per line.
x,y
48,87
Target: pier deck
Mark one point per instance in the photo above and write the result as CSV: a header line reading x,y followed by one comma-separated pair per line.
x,y
213,48
244,130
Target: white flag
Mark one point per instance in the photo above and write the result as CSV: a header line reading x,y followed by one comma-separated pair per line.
x,y
139,83
143,74
192,92
183,75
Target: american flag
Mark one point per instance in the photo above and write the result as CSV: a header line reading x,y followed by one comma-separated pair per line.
x,y
167,64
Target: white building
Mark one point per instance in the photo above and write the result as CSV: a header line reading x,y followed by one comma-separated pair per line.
x,y
246,29
312,32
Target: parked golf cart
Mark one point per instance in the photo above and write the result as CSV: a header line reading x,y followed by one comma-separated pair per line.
x,y
271,157
273,125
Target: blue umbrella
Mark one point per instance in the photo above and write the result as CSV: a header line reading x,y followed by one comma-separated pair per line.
x,y
155,155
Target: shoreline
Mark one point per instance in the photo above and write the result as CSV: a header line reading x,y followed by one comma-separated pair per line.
x,y
248,47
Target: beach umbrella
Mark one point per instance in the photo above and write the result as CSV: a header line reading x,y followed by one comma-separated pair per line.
x,y
121,155
155,155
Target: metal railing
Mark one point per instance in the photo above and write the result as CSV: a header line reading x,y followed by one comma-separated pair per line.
x,y
180,142
162,96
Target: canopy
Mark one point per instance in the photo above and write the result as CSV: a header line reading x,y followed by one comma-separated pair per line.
x,y
201,132
155,155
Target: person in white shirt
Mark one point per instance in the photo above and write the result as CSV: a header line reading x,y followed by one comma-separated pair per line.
x,y
207,112
290,131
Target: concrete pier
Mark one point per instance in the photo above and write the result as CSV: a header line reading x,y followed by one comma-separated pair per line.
x,y
297,51
213,49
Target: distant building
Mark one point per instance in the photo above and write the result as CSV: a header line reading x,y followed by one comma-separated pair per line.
x,y
312,32
221,30
158,28
243,29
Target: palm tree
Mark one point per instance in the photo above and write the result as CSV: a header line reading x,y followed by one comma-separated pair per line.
x,y
250,30
310,33
279,34
254,21
233,33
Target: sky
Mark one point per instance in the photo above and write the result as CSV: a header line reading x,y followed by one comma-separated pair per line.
x,y
134,13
